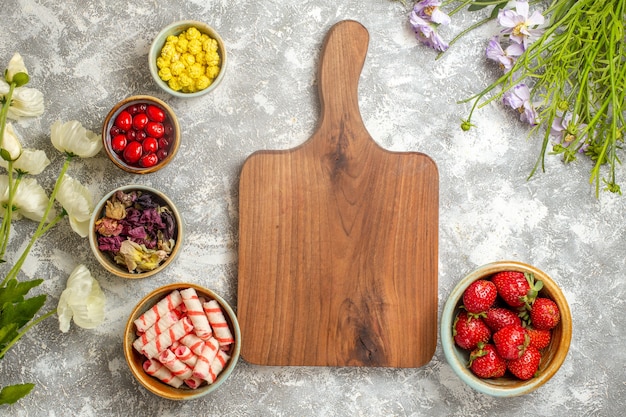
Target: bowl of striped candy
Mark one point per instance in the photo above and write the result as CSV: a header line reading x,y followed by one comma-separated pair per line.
x,y
182,341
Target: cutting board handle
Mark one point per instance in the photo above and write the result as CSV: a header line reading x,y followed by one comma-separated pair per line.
x,y
341,62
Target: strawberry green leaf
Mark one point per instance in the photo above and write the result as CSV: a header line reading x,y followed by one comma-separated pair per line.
x,y
10,394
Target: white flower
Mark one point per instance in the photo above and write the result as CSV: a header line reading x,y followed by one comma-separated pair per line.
x,y
32,161
30,199
25,102
10,147
82,300
77,202
72,138
16,71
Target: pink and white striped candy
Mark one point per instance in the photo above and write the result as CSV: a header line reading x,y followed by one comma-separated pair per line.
x,y
209,351
165,340
167,304
217,365
156,369
176,366
185,354
156,329
218,322
193,308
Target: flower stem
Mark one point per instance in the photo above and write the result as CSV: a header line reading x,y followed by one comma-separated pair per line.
x,y
41,228
24,330
5,111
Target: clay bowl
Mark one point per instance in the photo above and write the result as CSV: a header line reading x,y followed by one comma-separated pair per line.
x,y
175,29
165,134
106,258
552,356
135,360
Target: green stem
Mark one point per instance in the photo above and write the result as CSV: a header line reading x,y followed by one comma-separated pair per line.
x,y
25,329
5,111
6,221
41,228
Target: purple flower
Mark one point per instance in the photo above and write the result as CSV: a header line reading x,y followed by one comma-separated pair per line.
x,y
506,58
518,25
518,98
567,130
426,34
429,11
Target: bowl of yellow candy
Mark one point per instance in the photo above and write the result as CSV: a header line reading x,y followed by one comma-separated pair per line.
x,y
187,59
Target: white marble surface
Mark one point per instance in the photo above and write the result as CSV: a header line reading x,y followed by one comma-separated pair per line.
x,y
86,56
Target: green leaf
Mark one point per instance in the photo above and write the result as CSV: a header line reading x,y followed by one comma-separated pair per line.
x,y
476,7
10,394
7,333
21,312
15,290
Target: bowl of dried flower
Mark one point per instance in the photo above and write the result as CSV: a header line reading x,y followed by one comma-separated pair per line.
x,y
135,231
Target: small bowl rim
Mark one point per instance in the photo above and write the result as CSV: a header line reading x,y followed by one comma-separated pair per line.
x,y
177,27
160,388
109,120
450,349
112,267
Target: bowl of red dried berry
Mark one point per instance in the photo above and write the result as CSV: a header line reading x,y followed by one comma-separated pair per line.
x,y
506,328
135,231
141,134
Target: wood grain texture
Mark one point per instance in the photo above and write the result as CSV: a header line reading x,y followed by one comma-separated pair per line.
x,y
338,238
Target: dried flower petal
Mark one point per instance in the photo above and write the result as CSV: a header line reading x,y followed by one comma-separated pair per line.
x,y
139,258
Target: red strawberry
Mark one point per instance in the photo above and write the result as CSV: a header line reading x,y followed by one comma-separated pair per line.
x,y
498,317
486,363
539,338
469,331
479,296
544,314
511,341
516,288
526,366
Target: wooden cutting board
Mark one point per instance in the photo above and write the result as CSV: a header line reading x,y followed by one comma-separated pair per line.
x,y
338,238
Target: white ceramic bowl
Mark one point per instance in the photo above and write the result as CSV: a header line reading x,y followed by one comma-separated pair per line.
x,y
175,29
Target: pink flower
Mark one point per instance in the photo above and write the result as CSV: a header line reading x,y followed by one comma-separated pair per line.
x,y
518,98
430,11
518,25
505,57
426,34
568,130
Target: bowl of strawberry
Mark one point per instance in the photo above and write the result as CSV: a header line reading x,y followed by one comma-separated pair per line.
x,y
141,134
506,328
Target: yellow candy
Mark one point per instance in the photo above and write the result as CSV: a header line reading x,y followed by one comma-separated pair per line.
x,y
165,74
190,61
